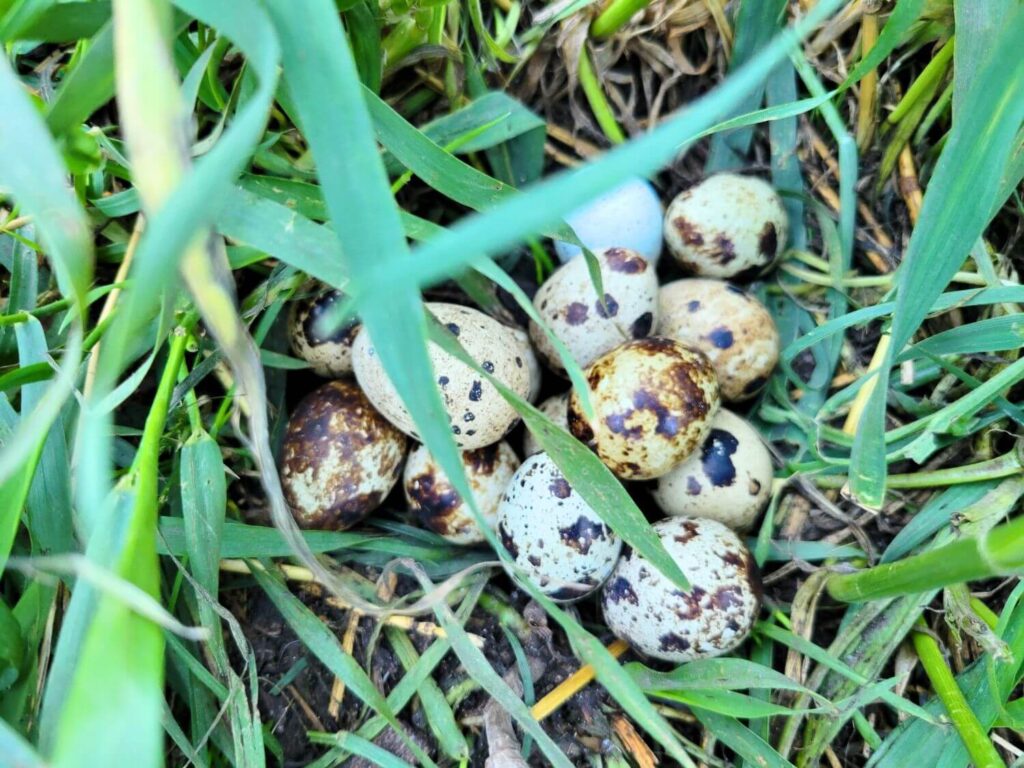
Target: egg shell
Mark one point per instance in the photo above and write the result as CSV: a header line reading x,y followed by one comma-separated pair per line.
x,y
653,402
339,459
657,619
477,413
727,226
569,306
730,326
532,363
552,534
729,479
328,355
628,216
555,408
437,504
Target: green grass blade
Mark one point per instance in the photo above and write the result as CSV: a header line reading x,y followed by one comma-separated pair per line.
x,y
34,173
955,211
743,741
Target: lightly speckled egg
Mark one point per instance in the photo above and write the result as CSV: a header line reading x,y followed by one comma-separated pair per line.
x,y
628,216
555,408
588,327
649,612
653,402
477,413
437,504
552,534
729,479
532,364
727,226
328,355
731,327
339,459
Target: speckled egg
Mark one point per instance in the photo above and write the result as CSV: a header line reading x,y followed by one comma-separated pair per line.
x,y
328,355
731,327
653,402
438,505
729,479
569,306
727,226
340,458
646,610
628,216
555,408
477,413
554,536
532,363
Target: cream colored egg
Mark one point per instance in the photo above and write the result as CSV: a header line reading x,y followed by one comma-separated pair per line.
x,y
552,534
730,326
437,504
477,414
555,408
729,479
653,402
569,307
657,619
727,226
532,363
340,458
329,355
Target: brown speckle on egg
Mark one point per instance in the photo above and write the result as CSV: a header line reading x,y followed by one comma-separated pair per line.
x,y
711,618
731,327
440,508
653,401
726,226
328,354
587,324
339,458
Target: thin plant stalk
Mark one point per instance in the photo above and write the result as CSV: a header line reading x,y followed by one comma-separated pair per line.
x,y
992,469
983,753
598,101
615,17
997,553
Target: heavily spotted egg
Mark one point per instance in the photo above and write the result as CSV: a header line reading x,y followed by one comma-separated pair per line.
x,y
729,479
588,327
340,458
628,216
727,226
727,324
653,402
552,534
440,508
555,408
477,413
329,355
657,619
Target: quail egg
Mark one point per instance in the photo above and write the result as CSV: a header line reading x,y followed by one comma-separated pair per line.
x,y
729,479
731,327
477,413
328,355
340,458
552,534
727,226
569,306
649,612
438,505
653,402
532,363
555,408
628,216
